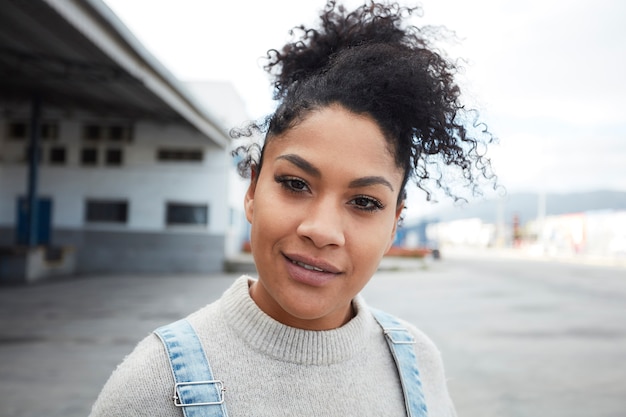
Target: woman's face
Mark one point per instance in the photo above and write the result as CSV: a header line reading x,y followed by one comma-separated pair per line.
x,y
323,211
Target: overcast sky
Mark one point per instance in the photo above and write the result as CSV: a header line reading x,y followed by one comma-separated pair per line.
x,y
548,75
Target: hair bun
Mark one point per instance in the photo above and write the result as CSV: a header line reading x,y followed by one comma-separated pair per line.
x,y
313,48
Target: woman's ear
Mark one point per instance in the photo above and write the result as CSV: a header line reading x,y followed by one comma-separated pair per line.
x,y
249,197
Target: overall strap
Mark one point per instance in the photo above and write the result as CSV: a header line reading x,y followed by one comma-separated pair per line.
x,y
401,343
195,389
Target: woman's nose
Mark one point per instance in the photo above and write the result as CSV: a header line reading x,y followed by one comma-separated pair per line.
x,y
323,224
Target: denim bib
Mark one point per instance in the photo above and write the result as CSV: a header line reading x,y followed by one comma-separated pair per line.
x,y
199,394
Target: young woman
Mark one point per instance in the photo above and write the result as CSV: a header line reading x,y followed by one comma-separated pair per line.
x,y
365,105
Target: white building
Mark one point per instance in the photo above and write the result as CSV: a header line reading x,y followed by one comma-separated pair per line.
x,y
133,172
222,100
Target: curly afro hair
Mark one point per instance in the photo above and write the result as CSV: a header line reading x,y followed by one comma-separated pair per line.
x,y
371,63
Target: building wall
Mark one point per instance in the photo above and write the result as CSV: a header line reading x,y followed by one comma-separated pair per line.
x,y
109,252
144,243
225,103
144,252
147,183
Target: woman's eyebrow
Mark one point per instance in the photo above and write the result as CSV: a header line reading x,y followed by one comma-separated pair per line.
x,y
368,181
302,163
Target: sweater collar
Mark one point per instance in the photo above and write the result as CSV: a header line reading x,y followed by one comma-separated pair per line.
x,y
289,344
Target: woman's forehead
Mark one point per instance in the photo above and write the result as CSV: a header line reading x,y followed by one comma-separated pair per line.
x,y
335,136
341,126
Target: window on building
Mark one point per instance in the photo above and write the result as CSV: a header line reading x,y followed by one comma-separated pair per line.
x,y
120,133
89,156
114,157
49,131
186,214
180,155
57,155
92,132
107,132
106,211
17,130
21,130
116,133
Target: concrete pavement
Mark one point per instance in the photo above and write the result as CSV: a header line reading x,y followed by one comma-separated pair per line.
x,y
60,341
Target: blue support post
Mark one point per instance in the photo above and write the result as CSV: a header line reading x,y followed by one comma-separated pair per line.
x,y
33,170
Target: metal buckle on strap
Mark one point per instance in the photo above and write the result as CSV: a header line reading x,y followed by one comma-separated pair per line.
x,y
219,385
389,333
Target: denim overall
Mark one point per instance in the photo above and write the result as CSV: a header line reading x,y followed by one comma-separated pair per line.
x,y
200,395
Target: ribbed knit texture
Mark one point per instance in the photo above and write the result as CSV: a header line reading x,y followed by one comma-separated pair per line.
x,y
270,369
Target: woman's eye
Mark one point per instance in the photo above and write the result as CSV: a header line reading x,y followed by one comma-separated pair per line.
x,y
297,184
292,184
367,204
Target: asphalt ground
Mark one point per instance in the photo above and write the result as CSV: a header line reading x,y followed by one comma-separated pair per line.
x,y
518,337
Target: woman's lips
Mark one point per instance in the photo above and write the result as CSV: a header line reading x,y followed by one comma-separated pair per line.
x,y
309,271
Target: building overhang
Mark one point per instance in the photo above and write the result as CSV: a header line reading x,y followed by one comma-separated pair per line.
x,y
76,54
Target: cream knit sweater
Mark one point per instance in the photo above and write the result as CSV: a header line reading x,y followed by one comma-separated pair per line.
x,y
272,370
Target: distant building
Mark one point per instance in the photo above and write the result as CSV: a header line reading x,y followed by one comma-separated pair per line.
x,y
223,101
130,169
